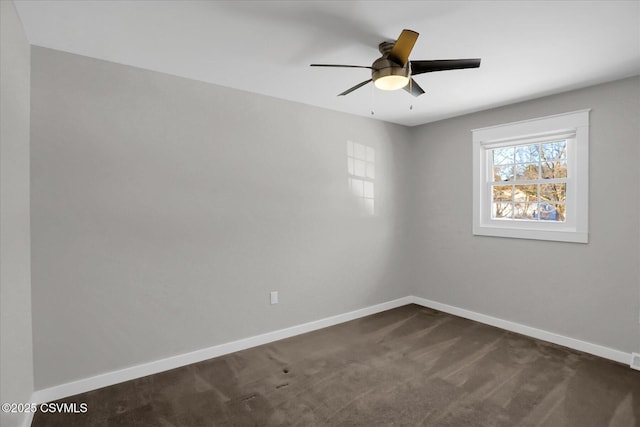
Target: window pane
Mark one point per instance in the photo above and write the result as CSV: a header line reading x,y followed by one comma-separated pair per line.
x,y
527,171
503,156
358,168
554,150
553,192
554,169
502,192
503,173
502,210
358,151
550,212
560,169
525,210
528,154
526,193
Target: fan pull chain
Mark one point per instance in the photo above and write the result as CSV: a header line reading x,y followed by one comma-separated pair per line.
x,y
410,91
373,92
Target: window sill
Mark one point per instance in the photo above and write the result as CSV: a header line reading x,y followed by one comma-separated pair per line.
x,y
560,235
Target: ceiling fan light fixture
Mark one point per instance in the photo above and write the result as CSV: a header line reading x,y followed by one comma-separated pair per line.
x,y
388,75
392,82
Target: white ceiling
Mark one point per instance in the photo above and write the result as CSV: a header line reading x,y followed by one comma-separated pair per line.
x,y
528,48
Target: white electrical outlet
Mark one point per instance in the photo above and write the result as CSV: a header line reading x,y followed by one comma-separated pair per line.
x,y
635,361
274,297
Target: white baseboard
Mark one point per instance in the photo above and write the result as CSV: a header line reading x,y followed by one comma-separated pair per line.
x,y
576,344
114,377
635,361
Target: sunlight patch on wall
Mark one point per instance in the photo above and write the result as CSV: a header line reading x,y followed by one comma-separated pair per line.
x,y
361,161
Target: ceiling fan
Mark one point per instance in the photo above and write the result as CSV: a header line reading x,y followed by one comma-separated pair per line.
x,y
393,70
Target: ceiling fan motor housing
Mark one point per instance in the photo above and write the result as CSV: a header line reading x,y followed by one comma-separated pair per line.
x,y
385,67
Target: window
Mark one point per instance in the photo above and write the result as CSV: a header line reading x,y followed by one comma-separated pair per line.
x,y
529,182
361,167
531,179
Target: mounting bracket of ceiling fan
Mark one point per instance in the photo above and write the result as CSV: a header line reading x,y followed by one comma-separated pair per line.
x,y
393,70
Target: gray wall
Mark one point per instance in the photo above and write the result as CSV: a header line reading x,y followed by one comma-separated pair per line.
x,y
16,363
585,291
164,210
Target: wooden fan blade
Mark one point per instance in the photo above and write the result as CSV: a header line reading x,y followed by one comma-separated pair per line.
x,y
419,67
341,66
403,47
414,88
358,86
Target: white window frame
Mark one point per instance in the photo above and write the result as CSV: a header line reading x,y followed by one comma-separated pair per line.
x,y
574,127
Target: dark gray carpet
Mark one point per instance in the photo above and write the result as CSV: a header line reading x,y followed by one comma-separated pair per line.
x,y
409,366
